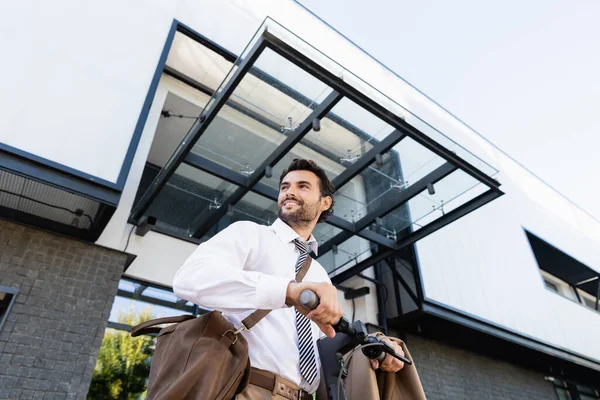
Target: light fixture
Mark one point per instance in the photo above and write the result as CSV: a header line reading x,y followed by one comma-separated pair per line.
x,y
316,124
430,189
146,224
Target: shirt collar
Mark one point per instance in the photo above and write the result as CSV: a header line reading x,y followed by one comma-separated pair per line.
x,y
287,235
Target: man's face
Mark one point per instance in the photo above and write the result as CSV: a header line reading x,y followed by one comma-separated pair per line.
x,y
300,201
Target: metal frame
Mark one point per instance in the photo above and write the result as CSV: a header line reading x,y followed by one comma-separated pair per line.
x,y
15,293
197,129
138,294
414,297
319,112
395,200
367,159
271,193
598,296
340,89
444,220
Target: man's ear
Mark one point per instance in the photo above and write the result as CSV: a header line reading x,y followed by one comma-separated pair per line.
x,y
326,205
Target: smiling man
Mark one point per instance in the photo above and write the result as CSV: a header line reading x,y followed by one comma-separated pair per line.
x,y
248,266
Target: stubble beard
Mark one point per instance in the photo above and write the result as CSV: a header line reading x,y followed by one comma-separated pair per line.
x,y
302,217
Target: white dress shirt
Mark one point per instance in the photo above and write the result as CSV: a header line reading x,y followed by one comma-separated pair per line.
x,y
248,267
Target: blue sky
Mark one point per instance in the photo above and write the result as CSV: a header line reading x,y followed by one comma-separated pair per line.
x,y
522,73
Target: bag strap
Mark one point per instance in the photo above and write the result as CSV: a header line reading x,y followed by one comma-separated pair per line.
x,y
147,327
257,315
247,323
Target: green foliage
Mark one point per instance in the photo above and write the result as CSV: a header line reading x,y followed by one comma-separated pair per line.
x,y
123,364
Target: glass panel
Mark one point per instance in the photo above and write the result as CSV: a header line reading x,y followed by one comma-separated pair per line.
x,y
369,191
252,207
123,307
259,114
217,93
331,167
127,286
415,160
187,198
160,294
178,116
259,209
197,61
324,232
401,110
347,133
373,188
349,253
563,394
551,286
425,208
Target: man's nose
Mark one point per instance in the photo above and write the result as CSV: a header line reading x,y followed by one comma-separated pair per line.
x,y
291,192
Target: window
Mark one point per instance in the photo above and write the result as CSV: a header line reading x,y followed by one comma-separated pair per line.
x,y
565,275
7,298
569,390
550,285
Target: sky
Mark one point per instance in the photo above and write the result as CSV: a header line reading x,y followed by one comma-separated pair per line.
x,y
524,74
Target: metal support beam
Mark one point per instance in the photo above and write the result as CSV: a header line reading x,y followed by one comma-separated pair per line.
x,y
337,83
333,220
577,295
138,291
197,129
361,266
363,162
120,327
398,297
598,295
381,300
341,223
152,300
444,220
392,266
393,200
305,126
334,241
211,167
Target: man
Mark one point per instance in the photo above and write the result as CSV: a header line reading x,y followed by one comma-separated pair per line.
x,y
249,266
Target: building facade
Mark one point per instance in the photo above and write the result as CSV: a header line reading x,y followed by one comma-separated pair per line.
x,y
134,131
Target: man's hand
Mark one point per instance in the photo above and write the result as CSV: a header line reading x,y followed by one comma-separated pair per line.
x,y
390,364
328,312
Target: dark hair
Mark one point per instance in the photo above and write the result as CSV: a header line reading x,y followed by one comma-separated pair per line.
x,y
325,184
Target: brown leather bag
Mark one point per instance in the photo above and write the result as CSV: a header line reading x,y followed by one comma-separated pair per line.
x,y
201,357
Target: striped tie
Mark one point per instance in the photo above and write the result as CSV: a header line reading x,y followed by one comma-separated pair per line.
x,y
308,364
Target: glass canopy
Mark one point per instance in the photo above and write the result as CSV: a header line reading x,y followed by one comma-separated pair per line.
x,y
397,178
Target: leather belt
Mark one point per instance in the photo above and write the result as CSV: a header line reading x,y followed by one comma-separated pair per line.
x,y
276,385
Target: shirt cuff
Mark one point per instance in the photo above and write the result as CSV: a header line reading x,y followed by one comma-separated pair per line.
x,y
271,291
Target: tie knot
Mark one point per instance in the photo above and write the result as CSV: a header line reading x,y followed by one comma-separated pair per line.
x,y
301,245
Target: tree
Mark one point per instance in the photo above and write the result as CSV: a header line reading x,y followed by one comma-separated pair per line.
x,y
123,364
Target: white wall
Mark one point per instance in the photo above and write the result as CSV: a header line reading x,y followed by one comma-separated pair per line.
x,y
483,263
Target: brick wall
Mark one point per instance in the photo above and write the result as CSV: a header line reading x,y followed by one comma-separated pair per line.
x,y
50,341
451,373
